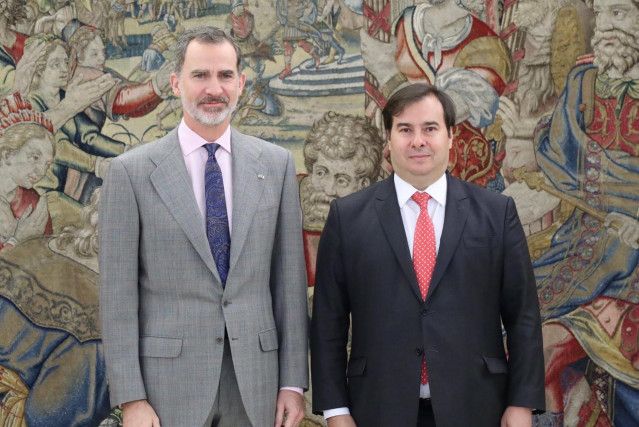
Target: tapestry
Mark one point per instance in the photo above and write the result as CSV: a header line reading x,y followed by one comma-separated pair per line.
x,y
547,98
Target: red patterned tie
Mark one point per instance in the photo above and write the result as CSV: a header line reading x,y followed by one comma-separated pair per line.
x,y
424,254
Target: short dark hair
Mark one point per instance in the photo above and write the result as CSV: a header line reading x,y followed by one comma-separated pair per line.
x,y
412,94
204,34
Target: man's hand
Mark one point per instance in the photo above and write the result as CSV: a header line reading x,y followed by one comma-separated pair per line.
x,y
26,67
102,166
290,404
517,416
8,222
139,413
625,227
33,221
79,96
341,421
87,92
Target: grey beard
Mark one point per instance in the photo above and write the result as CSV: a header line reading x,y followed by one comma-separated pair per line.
x,y
626,52
210,118
315,207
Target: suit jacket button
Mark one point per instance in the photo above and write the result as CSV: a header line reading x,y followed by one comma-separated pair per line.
x,y
424,312
219,340
419,351
226,303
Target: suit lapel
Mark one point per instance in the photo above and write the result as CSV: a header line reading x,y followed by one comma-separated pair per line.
x,y
454,221
390,218
172,182
249,176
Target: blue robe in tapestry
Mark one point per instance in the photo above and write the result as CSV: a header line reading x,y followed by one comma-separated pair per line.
x,y
586,266
584,260
50,338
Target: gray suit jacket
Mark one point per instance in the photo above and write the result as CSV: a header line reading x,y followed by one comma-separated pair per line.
x,y
162,306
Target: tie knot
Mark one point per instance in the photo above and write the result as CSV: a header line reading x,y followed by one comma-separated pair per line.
x,y
211,148
421,199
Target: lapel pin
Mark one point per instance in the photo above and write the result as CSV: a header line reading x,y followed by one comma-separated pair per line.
x,y
260,176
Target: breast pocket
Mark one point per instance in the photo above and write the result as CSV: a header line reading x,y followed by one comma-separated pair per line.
x,y
480,241
265,212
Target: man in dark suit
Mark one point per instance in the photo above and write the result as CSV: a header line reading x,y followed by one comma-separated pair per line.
x,y
427,345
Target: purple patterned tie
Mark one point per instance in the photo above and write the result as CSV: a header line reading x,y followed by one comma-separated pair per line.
x,y
217,222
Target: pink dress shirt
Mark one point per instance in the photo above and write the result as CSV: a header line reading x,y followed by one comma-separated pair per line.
x,y
195,157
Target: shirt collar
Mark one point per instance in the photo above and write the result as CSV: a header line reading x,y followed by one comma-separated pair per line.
x,y
191,141
437,190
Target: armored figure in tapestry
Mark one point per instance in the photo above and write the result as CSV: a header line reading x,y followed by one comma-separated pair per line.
x,y
445,43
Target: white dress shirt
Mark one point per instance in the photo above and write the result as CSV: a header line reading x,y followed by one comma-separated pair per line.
x,y
409,210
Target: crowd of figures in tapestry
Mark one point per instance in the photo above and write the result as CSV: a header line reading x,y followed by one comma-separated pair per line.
x,y
547,101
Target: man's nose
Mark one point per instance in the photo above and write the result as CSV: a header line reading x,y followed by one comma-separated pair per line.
x,y
330,187
604,21
39,168
418,140
214,87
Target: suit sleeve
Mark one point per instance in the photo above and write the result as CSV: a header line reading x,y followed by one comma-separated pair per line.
x,y
521,318
330,322
288,285
118,256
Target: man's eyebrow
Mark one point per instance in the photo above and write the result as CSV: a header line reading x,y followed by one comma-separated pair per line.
x,y
343,174
404,124
426,123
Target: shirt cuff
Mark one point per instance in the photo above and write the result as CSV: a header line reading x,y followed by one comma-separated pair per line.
x,y
296,389
335,412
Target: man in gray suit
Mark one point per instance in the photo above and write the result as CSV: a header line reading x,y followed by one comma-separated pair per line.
x,y
196,333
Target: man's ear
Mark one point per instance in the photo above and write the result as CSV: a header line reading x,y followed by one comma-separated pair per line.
x,y
364,182
6,156
175,84
242,82
386,153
